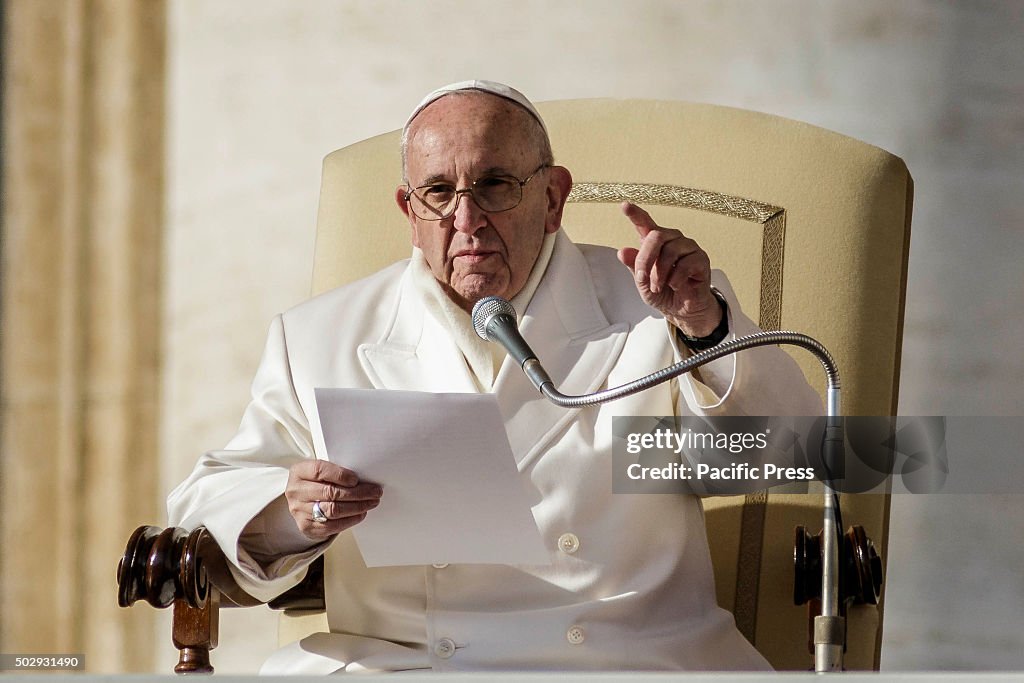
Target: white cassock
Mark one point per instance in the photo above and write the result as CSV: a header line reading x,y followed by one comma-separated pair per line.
x,y
629,582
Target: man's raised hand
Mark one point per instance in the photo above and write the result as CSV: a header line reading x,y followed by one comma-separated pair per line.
x,y
672,274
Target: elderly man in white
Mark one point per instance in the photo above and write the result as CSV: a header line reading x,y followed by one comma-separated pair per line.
x,y
628,582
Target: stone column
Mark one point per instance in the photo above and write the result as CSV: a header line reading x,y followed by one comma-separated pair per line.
x,y
83,90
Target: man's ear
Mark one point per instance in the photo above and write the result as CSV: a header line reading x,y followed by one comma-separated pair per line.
x,y
559,185
403,204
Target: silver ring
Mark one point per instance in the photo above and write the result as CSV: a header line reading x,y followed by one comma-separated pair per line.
x,y
318,514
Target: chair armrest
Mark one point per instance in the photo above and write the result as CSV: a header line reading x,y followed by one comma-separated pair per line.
x,y
188,570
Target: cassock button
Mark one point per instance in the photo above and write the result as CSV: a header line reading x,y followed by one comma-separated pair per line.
x,y
440,565
568,543
575,635
444,648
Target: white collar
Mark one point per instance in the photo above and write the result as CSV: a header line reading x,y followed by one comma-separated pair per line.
x,y
483,358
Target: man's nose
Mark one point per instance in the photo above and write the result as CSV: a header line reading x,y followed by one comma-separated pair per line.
x,y
468,216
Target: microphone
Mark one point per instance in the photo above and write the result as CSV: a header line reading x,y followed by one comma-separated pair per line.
x,y
494,320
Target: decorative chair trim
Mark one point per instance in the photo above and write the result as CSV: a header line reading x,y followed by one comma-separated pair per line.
x,y
772,220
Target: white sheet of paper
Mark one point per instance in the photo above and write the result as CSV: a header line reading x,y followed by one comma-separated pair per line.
x,y
452,492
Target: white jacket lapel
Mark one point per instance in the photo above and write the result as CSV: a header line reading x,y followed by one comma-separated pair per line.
x,y
416,353
567,329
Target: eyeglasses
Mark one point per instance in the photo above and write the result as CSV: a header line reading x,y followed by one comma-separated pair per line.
x,y
492,193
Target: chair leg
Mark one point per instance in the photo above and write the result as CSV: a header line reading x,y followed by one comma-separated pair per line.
x,y
194,633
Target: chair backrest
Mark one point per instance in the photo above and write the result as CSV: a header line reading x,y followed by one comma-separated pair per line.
x,y
812,228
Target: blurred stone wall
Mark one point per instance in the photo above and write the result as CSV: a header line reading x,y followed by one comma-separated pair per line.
x,y
80,303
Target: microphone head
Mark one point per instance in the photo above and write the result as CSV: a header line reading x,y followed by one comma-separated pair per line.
x,y
484,311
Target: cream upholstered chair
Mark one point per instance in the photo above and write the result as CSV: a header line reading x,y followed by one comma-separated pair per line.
x,y
812,228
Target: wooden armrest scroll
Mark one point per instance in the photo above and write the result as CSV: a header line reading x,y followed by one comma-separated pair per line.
x,y
188,570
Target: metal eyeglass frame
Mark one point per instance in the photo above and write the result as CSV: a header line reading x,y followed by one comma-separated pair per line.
x,y
469,191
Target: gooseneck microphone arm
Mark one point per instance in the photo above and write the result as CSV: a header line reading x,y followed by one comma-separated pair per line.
x,y
494,319
695,361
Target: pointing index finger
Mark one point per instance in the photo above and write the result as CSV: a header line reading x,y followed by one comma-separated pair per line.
x,y
640,219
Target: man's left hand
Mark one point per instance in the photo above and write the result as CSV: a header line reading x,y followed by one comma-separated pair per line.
x,y
672,274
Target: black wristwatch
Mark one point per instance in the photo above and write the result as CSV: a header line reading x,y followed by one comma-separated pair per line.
x,y
716,336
